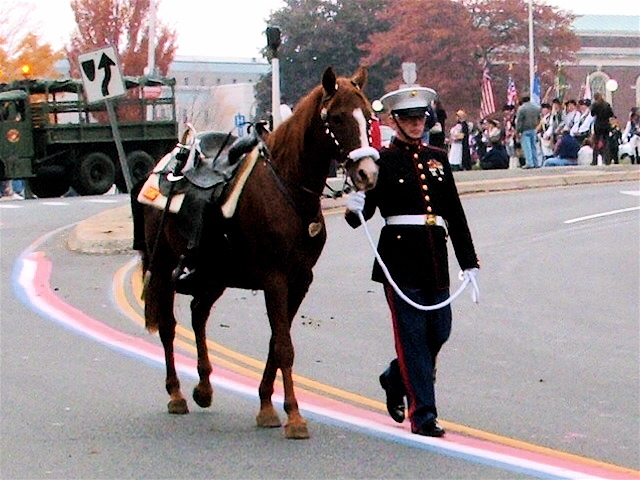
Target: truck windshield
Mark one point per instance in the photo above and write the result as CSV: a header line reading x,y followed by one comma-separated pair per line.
x,y
12,111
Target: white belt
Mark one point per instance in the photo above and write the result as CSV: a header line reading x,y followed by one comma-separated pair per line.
x,y
416,220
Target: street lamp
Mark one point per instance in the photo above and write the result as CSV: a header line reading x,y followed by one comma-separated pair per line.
x,y
273,42
611,85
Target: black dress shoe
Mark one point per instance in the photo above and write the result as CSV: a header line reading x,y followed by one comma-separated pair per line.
x,y
429,429
395,402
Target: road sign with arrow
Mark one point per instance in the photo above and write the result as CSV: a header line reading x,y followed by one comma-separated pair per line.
x,y
101,75
102,82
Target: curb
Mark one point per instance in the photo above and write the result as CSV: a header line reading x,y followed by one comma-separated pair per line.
x,y
107,233
111,232
566,179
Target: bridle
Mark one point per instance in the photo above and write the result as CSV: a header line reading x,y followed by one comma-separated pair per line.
x,y
353,155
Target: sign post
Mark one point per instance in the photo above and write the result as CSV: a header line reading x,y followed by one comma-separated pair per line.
x,y
409,74
240,121
102,81
273,42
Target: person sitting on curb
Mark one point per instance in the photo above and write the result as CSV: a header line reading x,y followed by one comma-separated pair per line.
x,y
565,151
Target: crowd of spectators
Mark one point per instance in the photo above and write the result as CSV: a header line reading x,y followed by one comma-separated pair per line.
x,y
531,136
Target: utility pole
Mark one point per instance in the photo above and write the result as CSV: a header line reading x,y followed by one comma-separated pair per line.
x,y
151,53
273,42
531,56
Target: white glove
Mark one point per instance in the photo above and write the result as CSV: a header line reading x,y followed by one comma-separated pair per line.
x,y
355,201
470,274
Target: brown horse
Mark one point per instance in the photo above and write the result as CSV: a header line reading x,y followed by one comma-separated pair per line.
x,y
273,235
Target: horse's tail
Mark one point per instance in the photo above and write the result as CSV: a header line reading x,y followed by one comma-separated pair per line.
x,y
140,244
137,212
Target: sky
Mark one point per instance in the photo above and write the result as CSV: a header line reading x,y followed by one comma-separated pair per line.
x,y
235,28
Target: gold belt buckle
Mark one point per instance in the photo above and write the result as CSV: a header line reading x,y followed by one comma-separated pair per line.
x,y
431,220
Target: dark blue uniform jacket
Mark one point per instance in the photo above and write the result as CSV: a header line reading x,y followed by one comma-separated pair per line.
x,y
417,179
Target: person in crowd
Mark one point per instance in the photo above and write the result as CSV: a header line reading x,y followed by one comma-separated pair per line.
x,y
614,139
555,124
417,196
527,120
456,139
478,142
509,132
581,128
437,138
601,112
465,130
545,132
585,154
632,126
631,133
496,156
571,113
12,189
565,152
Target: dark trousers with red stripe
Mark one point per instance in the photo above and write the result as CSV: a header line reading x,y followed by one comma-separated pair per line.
x,y
419,335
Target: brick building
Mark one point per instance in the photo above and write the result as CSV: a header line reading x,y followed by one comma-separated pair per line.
x,y
610,56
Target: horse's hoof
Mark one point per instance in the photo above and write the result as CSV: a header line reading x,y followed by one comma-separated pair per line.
x,y
203,396
178,407
296,431
268,419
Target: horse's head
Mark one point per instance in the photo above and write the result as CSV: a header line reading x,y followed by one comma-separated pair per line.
x,y
346,114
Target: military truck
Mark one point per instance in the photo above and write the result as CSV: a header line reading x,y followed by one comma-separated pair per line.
x,y
54,139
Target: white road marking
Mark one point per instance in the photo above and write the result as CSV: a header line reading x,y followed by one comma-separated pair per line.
x,y
103,200
603,214
633,193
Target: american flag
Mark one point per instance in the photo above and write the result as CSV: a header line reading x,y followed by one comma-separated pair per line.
x,y
512,92
487,104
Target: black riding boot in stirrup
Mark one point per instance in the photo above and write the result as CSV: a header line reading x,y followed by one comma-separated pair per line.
x,y
184,276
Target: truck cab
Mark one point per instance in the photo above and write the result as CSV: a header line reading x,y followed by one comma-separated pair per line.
x,y
16,147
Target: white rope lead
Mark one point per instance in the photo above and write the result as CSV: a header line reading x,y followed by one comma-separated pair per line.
x,y
466,279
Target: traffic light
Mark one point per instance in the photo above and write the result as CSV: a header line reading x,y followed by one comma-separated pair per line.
x,y
25,69
273,40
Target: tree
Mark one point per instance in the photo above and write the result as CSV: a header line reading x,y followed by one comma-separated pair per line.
x,y
122,24
450,42
437,35
507,28
19,47
317,34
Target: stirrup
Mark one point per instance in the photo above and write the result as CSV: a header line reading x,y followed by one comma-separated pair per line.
x,y
184,278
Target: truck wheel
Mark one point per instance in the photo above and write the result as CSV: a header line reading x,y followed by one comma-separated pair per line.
x,y
140,164
50,182
93,174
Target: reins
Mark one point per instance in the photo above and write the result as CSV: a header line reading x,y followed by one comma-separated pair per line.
x,y
466,280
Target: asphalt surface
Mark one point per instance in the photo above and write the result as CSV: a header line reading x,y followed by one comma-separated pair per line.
x,y
111,232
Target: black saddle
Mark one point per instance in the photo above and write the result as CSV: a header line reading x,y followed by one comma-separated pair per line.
x,y
206,181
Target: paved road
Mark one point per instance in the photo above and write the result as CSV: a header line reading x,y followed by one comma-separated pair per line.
x,y
529,363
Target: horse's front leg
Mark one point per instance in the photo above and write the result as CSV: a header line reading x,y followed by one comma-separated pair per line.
x,y
200,309
267,416
281,355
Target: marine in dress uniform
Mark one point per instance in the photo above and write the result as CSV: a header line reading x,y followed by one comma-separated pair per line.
x,y
417,196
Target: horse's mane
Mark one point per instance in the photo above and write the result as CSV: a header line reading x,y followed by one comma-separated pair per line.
x,y
287,141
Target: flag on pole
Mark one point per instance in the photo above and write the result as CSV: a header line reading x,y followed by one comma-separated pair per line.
x,y
487,104
537,90
560,84
586,94
512,92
